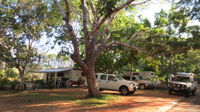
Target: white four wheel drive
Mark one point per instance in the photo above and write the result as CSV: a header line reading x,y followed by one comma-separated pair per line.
x,y
183,82
115,83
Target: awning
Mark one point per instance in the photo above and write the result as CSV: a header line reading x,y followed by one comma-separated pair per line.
x,y
51,70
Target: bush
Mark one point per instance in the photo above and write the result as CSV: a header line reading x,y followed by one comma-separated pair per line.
x,y
39,83
5,84
14,83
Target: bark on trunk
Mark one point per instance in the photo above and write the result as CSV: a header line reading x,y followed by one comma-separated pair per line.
x,y
93,87
22,80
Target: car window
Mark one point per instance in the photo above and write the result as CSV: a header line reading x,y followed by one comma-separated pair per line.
x,y
103,77
126,77
111,78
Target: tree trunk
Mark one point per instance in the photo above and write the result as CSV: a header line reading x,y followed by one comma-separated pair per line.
x,y
22,80
93,87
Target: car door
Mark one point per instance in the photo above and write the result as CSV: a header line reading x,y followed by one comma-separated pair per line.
x,y
103,81
112,83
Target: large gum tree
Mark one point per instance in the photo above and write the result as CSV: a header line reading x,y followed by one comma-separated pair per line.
x,y
95,17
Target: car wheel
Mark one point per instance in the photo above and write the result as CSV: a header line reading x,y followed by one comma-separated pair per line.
x,y
187,94
142,86
124,90
193,92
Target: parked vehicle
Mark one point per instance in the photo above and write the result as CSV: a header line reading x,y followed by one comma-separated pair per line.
x,y
116,83
142,78
143,84
184,83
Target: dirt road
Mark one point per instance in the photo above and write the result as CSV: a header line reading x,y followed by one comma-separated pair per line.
x,y
191,104
142,101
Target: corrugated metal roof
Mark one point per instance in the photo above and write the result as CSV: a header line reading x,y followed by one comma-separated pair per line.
x,y
52,70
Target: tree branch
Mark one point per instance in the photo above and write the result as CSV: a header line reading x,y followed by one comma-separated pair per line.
x,y
85,17
75,56
127,46
141,2
62,12
95,15
105,17
133,36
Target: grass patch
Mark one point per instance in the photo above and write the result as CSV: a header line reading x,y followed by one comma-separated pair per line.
x,y
104,99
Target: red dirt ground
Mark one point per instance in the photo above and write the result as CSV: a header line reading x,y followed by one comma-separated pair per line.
x,y
141,101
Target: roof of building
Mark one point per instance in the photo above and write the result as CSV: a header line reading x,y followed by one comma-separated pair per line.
x,y
52,70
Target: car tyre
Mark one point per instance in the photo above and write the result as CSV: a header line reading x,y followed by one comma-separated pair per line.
x,y
187,94
124,90
193,92
142,86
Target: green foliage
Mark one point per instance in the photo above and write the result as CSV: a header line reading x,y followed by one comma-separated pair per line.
x,y
105,7
4,83
12,73
192,7
2,73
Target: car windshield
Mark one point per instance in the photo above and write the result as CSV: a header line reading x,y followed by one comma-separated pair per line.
x,y
181,79
119,77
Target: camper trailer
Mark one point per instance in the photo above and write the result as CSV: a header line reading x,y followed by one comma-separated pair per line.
x,y
62,77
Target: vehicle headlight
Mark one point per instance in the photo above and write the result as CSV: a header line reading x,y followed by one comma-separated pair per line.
x,y
131,84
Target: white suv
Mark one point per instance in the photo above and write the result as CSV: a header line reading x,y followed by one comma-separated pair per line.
x,y
116,83
183,82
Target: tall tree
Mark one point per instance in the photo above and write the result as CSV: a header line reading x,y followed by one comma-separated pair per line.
x,y
96,17
22,25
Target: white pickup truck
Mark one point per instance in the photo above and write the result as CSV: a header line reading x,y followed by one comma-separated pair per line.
x,y
116,83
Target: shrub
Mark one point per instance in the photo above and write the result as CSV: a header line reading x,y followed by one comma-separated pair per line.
x,y
39,83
